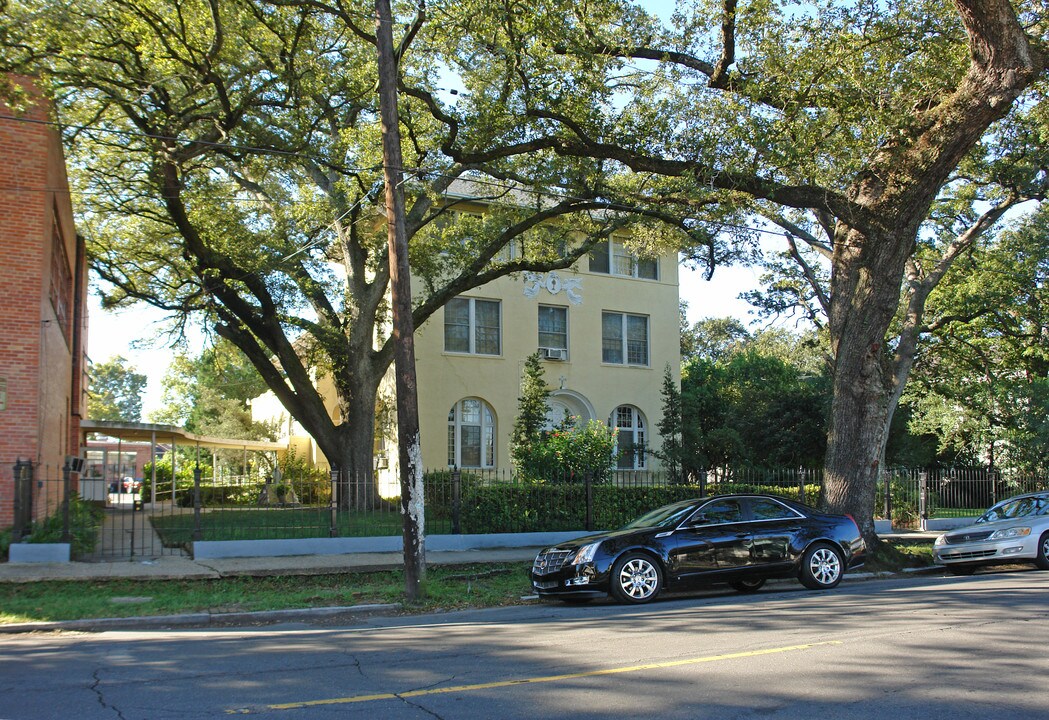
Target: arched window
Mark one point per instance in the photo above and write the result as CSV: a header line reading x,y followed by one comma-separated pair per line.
x,y
471,434
556,414
630,442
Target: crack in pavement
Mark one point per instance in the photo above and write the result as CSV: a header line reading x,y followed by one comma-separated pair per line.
x,y
97,690
417,706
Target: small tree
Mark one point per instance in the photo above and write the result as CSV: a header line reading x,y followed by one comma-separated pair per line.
x,y
670,428
530,424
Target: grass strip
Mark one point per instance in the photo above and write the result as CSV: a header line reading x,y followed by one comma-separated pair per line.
x,y
447,587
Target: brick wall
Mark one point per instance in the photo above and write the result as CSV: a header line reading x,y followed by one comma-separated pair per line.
x,y
40,356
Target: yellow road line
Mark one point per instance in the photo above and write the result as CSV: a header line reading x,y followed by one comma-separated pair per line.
x,y
543,679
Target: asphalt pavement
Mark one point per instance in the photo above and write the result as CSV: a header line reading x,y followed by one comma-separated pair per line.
x,y
169,567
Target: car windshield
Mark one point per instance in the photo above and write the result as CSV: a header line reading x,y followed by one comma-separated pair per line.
x,y
662,517
1020,507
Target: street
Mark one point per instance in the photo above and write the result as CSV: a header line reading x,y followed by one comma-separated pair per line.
x,y
931,647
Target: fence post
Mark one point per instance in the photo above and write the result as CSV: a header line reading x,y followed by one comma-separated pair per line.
x,y
333,504
197,533
923,500
457,500
66,470
23,472
888,495
703,483
801,484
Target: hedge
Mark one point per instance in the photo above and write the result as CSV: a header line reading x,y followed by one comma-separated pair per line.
x,y
542,507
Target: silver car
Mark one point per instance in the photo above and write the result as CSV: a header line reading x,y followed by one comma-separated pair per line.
x,y
1015,530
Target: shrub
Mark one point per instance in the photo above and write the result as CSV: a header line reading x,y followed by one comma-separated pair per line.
x,y
437,490
84,522
569,453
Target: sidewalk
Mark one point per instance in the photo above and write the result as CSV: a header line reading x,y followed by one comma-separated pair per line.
x,y
170,567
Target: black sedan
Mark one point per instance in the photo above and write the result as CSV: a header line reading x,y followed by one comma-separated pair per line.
x,y
741,540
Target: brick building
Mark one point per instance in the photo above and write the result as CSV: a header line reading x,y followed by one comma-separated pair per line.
x,y
43,315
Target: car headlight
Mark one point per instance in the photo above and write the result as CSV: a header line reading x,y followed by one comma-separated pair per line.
x,y
942,540
1010,533
585,554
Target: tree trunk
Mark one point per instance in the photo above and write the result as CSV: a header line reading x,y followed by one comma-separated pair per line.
x,y
865,292
350,448
892,198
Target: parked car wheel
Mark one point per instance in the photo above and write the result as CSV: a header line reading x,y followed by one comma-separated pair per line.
x,y
1042,560
821,567
636,578
961,569
747,586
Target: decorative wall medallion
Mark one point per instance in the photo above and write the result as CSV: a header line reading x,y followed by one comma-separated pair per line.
x,y
554,284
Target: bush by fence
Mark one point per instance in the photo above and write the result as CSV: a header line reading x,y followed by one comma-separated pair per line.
x,y
84,520
482,502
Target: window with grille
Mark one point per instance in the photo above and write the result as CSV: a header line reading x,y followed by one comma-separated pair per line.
x,y
612,257
630,437
471,434
553,327
624,338
472,326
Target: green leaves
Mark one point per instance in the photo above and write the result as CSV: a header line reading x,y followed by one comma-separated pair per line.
x,y
116,391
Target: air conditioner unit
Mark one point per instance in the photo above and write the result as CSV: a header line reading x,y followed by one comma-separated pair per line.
x,y
553,353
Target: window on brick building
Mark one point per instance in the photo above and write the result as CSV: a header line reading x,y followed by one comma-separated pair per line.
x,y
61,287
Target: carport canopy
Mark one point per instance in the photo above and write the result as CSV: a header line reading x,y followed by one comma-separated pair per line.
x,y
150,432
153,433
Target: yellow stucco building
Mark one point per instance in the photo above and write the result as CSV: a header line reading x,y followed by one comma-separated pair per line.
x,y
606,329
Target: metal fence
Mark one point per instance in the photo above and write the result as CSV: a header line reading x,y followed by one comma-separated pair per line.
x,y
136,520
910,497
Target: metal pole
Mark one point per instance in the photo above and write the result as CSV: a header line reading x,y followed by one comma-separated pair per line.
x,y
174,473
197,533
923,499
23,500
888,495
66,470
333,504
457,500
131,557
